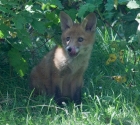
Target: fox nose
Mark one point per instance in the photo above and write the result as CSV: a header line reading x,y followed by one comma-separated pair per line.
x,y
69,49
72,51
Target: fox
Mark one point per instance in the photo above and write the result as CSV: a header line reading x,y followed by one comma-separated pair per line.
x,y
60,73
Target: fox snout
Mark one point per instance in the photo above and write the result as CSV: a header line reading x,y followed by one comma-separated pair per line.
x,y
72,50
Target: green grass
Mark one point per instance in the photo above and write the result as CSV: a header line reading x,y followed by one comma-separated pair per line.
x,y
103,108
104,100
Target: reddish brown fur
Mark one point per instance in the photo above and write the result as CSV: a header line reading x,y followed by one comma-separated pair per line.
x,y
58,73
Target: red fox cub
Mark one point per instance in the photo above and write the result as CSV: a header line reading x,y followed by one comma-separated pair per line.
x,y
60,73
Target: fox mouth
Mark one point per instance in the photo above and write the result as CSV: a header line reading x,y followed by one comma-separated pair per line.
x,y
72,51
72,54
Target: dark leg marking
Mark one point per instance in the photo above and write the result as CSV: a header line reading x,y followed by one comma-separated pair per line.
x,y
57,93
58,97
77,96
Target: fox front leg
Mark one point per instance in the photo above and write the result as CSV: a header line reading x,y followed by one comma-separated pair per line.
x,y
77,96
58,95
59,98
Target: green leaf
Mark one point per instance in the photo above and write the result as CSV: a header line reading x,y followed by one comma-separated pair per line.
x,y
19,21
52,17
72,13
23,33
96,2
39,26
131,16
3,9
19,46
130,25
18,62
86,7
28,16
122,2
1,34
133,4
110,5
22,41
53,2
22,44
10,2
57,3
26,41
109,15
4,29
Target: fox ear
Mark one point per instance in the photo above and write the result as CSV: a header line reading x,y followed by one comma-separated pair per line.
x,y
65,20
89,23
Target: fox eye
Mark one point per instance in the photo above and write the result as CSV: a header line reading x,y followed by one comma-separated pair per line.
x,y
67,38
80,39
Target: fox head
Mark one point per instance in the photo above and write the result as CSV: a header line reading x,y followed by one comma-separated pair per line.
x,y
77,38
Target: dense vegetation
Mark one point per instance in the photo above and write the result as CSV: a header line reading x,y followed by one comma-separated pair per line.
x,y
111,94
